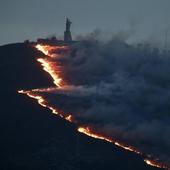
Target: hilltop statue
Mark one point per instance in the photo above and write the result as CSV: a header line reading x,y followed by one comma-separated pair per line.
x,y
68,24
67,33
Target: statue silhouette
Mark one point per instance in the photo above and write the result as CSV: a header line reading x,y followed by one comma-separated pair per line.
x,y
67,33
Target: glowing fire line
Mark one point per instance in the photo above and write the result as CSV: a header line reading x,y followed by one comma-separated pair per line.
x,y
43,103
153,163
85,130
48,68
46,49
88,132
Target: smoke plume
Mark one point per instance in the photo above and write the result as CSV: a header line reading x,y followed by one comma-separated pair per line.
x,y
119,90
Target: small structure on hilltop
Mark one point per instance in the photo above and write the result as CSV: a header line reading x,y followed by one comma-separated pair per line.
x,y
55,41
67,32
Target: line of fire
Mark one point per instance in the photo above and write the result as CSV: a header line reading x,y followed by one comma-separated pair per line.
x,y
47,46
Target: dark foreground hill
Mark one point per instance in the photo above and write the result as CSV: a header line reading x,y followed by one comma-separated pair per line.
x,y
32,138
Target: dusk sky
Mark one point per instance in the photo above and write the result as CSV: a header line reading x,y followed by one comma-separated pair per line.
x,y
30,19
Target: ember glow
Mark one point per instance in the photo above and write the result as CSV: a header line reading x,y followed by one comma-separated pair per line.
x,y
69,118
49,67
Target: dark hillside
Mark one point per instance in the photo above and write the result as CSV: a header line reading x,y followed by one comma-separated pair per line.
x,y
34,139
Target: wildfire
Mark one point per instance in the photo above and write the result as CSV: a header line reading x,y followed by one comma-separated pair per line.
x,y
48,67
155,164
40,100
69,118
128,148
43,49
51,69
48,50
43,103
88,132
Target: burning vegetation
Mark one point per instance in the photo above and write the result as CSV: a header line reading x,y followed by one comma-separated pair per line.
x,y
52,67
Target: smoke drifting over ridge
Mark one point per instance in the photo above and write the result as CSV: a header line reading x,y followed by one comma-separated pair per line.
x,y
120,90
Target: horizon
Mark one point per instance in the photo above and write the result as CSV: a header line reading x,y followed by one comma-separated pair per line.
x,y
142,21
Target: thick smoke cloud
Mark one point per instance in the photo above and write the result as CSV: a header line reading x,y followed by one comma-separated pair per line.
x,y
120,90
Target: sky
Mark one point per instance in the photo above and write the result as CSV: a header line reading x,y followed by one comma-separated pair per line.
x,y
32,19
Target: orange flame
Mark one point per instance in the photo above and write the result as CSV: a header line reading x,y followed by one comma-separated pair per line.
x,y
155,164
69,118
40,100
87,131
43,49
47,65
47,49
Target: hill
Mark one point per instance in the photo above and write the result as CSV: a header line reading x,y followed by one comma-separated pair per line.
x,y
33,138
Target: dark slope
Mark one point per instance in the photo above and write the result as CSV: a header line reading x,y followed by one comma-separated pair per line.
x,y
33,138
19,68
